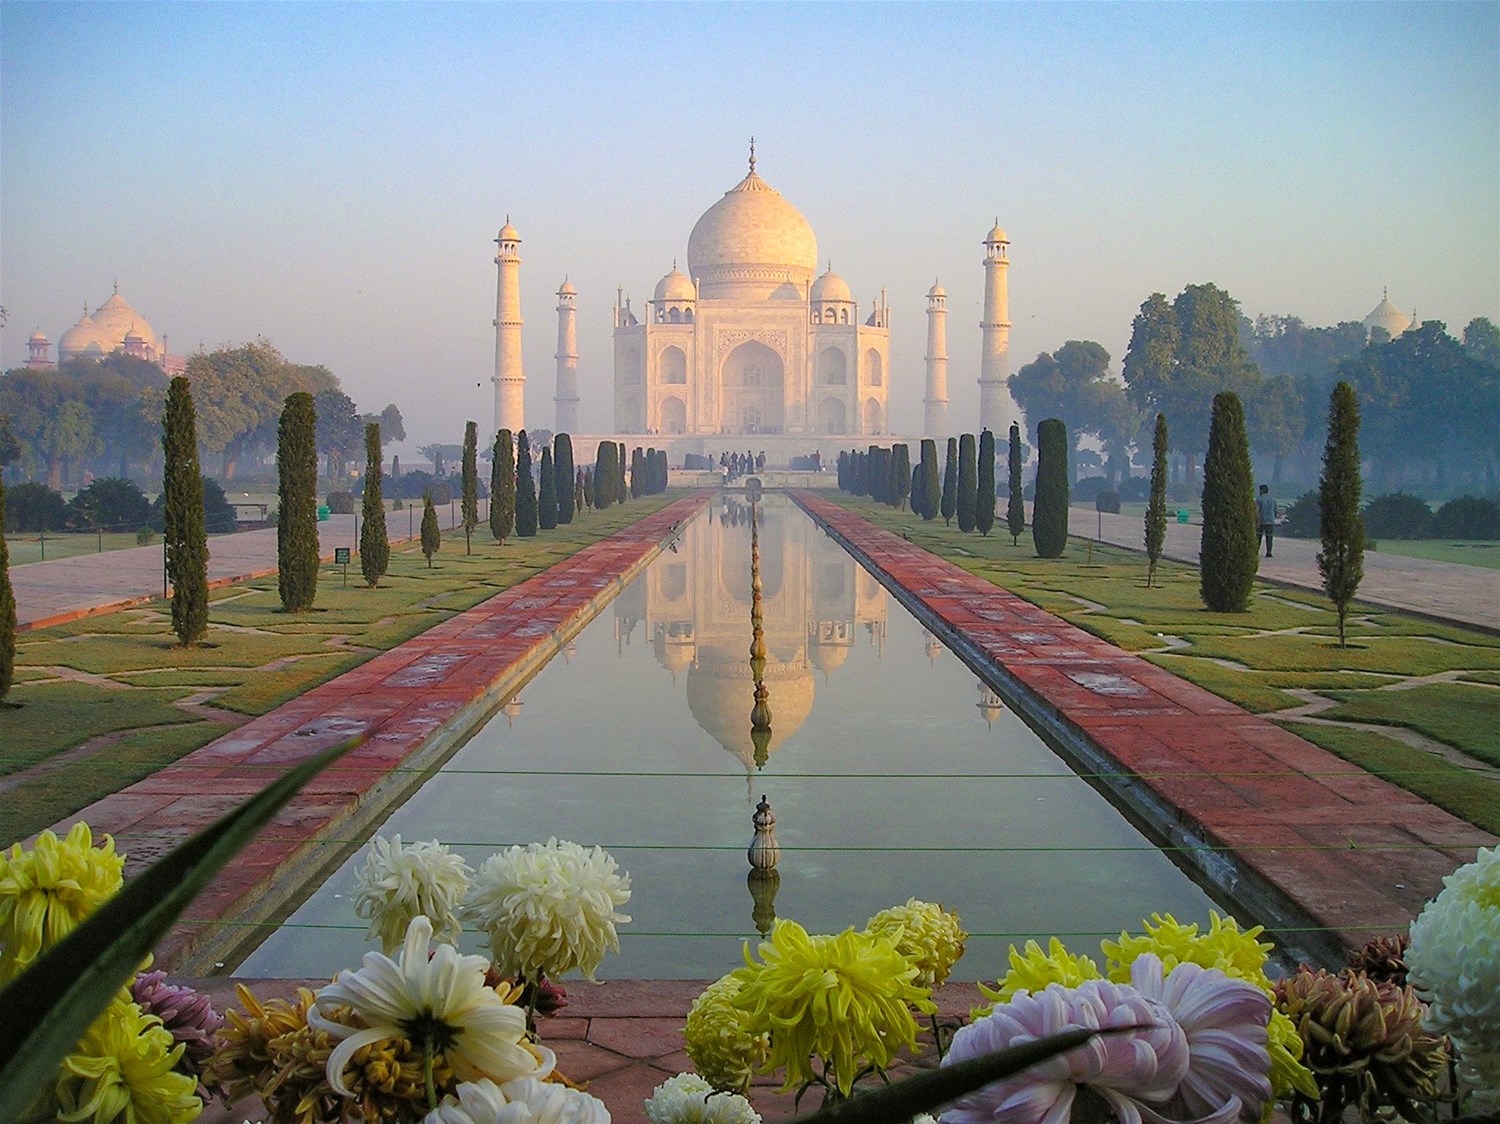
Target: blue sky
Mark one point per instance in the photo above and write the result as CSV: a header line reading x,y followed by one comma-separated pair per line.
x,y
331,176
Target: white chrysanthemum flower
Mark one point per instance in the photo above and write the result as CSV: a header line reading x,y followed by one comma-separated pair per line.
x,y
926,934
689,1099
439,997
398,883
522,1101
724,1050
1452,963
549,907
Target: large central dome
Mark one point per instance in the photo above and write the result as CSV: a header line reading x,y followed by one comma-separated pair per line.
x,y
752,245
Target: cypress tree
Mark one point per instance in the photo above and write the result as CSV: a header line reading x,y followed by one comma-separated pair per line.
x,y
546,500
900,476
395,467
604,474
588,487
1156,506
374,545
432,538
1015,505
931,487
1342,528
562,466
7,608
984,502
637,472
621,492
470,483
502,487
1226,559
968,483
880,476
297,504
949,502
1049,514
526,522
183,520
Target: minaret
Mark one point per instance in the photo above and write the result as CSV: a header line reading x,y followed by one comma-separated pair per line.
x,y
510,380
996,410
567,359
936,417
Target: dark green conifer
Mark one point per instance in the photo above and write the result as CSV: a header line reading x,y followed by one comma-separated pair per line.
x,y
562,467
1342,528
7,608
546,500
1156,506
622,492
1015,505
1226,559
968,483
297,504
984,502
949,502
931,487
604,475
900,476
502,487
588,487
1049,514
637,473
526,505
183,531
374,544
470,484
432,538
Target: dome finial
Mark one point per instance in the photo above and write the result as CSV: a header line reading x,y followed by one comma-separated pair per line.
x,y
117,286
752,156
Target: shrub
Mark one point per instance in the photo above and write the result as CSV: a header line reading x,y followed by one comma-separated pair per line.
x,y
1108,501
1399,515
1227,559
33,506
1088,489
110,504
342,503
1303,518
1049,515
1468,517
1137,489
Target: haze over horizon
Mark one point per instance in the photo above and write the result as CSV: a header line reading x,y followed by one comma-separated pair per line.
x,y
330,177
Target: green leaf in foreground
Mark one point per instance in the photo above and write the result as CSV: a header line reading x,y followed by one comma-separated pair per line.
x,y
50,1006
924,1092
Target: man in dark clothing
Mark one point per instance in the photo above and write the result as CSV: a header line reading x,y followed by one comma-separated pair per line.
x,y
1265,517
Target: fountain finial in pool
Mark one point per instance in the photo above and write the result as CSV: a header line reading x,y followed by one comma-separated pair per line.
x,y
764,850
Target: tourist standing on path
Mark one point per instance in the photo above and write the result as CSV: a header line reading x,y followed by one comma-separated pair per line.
x,y
1265,517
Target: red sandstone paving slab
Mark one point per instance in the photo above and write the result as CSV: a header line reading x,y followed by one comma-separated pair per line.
x,y
583,1061
638,1038
625,1091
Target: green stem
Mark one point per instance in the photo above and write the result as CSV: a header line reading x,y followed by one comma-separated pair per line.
x,y
427,1053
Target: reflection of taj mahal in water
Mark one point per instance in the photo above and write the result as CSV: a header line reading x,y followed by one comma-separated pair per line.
x,y
817,604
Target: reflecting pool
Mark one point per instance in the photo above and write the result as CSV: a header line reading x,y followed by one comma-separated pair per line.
x,y
891,771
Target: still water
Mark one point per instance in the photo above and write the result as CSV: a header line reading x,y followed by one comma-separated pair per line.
x,y
892,773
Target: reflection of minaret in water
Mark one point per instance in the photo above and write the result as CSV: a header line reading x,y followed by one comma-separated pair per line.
x,y
989,704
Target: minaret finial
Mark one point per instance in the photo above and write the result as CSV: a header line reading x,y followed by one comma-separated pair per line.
x,y
752,156
117,286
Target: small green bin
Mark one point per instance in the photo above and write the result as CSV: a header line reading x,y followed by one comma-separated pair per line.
x,y
1182,515
323,513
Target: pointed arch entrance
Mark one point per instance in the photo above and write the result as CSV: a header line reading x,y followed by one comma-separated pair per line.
x,y
752,383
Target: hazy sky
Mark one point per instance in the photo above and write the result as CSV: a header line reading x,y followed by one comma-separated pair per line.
x,y
331,177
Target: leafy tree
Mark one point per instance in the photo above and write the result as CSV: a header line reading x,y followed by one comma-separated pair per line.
x,y
470,483
1049,513
929,491
968,483
562,466
1074,384
392,428
1342,559
502,487
10,445
1015,507
68,436
239,393
900,476
1226,560
984,505
1468,517
7,608
526,515
1482,340
1275,420
186,542
340,430
546,514
297,504
432,538
111,504
441,456
1156,506
949,501
374,543
1399,515
32,506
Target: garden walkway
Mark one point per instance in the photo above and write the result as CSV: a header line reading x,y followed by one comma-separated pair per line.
x,y
1446,590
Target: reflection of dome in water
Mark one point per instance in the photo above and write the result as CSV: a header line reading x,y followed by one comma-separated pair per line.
x,y
674,652
721,691
828,647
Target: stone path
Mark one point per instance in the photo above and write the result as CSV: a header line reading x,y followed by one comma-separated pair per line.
x,y
413,704
1466,594
1322,852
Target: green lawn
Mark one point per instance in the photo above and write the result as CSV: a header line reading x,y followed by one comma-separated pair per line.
x,y
1462,715
256,658
1486,554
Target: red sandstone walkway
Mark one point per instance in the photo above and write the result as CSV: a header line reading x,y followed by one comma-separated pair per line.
x,y
413,704
1306,840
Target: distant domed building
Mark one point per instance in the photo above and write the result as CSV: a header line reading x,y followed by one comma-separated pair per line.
x,y
1387,316
748,341
113,326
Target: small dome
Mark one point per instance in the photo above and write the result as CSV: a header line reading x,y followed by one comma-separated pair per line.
x,y
675,287
84,338
567,289
830,287
37,337
134,336
936,290
508,233
997,234
1388,316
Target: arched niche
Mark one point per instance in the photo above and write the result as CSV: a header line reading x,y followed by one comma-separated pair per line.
x,y
752,379
832,417
872,416
673,415
874,368
833,368
673,366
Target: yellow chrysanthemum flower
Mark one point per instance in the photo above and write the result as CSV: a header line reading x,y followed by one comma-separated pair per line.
x,y
123,1070
46,891
724,1051
1034,970
926,934
848,999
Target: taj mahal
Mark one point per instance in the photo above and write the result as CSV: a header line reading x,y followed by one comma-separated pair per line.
x,y
751,342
